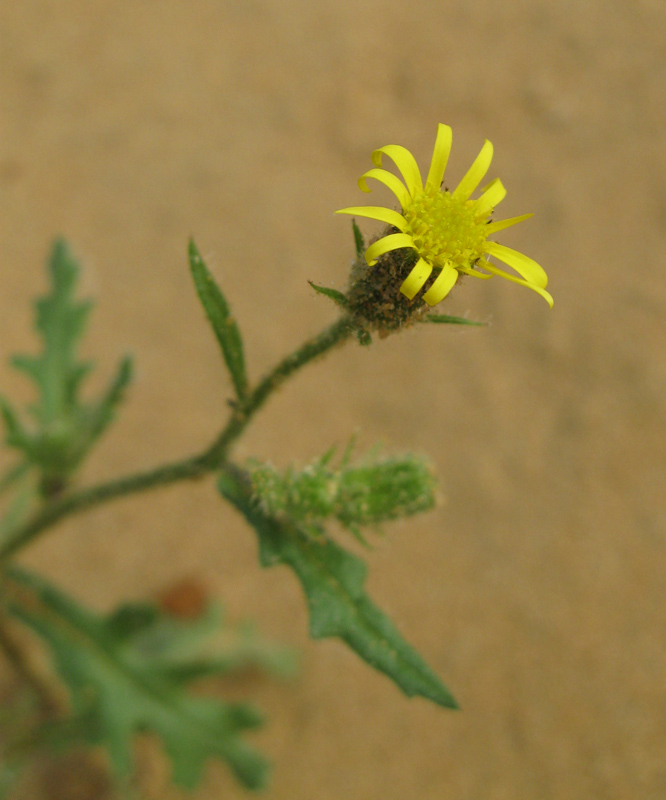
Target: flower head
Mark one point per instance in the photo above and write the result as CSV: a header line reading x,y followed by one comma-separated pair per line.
x,y
447,230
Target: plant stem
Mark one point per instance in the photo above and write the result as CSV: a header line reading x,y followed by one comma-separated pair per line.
x,y
188,468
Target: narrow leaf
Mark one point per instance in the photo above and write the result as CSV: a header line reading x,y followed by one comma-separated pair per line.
x,y
445,319
337,297
358,240
333,581
219,315
103,412
16,434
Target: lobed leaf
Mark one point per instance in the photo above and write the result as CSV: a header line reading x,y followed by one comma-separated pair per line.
x,y
121,689
64,427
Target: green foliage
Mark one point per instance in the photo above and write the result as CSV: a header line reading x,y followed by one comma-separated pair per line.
x,y
63,428
333,581
359,243
219,315
337,297
127,672
369,492
446,319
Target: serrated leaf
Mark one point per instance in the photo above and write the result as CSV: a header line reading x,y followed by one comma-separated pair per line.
x,y
333,581
65,427
359,243
61,322
337,297
446,319
219,315
112,680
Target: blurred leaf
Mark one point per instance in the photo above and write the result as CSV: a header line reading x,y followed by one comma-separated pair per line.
x,y
445,319
333,582
219,315
19,509
61,322
14,474
359,243
63,428
119,685
337,297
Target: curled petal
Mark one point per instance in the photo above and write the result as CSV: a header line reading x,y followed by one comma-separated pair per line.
x,y
394,241
405,162
440,157
475,173
492,196
525,266
388,179
443,284
386,215
416,278
493,227
538,289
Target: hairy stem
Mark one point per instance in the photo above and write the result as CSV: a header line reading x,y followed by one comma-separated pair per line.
x,y
188,468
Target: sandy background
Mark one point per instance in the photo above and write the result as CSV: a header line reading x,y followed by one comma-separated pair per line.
x,y
537,591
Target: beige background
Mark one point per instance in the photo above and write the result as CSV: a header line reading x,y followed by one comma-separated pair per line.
x,y
537,591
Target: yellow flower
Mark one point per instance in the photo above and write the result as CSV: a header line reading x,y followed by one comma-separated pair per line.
x,y
448,230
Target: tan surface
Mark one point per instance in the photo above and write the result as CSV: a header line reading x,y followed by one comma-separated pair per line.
x,y
537,592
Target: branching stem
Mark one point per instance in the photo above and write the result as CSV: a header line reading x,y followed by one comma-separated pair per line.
x,y
188,468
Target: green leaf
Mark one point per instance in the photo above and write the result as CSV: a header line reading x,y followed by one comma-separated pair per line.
x,y
358,240
61,322
14,474
219,315
333,581
16,433
337,297
118,685
64,427
99,415
445,319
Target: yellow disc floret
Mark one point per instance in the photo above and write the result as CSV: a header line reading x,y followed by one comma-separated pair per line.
x,y
445,229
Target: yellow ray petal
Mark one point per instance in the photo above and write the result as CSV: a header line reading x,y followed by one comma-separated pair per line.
x,y
394,241
493,227
524,265
474,273
388,179
405,162
440,157
475,173
492,196
386,215
495,271
443,284
416,278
